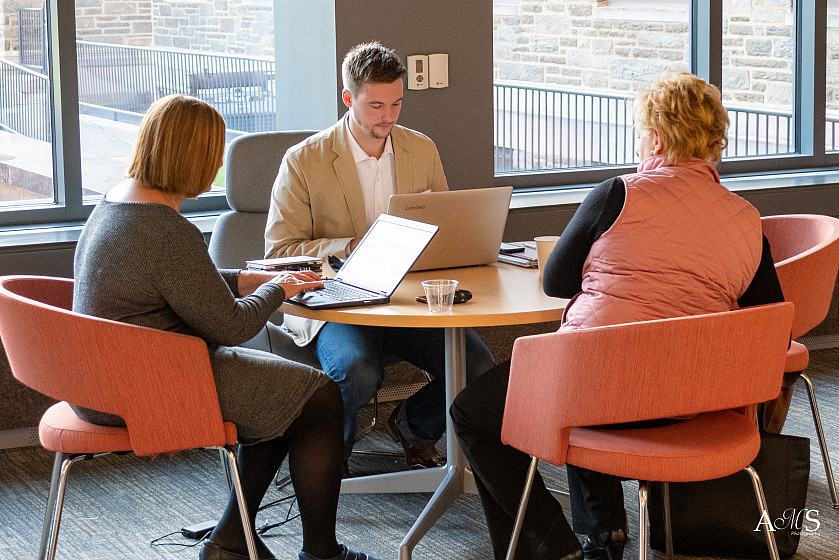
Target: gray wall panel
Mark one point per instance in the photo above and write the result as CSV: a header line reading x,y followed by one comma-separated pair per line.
x,y
458,118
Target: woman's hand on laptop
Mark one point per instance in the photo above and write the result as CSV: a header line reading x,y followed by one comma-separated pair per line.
x,y
294,283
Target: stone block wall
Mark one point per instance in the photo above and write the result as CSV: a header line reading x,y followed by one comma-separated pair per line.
x,y
563,42
592,45
123,22
9,12
243,27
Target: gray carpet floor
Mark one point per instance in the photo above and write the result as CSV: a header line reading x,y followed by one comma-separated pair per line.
x,y
116,505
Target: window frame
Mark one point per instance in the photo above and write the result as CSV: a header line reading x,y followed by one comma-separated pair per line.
x,y
706,60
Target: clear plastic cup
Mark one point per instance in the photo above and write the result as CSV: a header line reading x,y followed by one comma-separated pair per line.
x,y
440,295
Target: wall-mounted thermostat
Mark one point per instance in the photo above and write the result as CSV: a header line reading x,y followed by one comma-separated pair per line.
x,y
418,71
438,70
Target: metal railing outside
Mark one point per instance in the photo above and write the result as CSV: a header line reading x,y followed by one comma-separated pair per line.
x,y
32,29
543,128
547,128
132,78
25,107
758,132
831,133
536,128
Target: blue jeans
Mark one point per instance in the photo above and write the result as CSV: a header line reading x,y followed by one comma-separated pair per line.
x,y
352,355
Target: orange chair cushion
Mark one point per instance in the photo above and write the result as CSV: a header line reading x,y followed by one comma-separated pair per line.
x,y
62,431
798,358
685,452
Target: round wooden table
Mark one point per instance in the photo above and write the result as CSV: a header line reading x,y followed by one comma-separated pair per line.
x,y
502,294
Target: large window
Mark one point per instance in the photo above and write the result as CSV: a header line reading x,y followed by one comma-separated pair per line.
x,y
76,78
565,73
25,126
221,52
127,55
832,92
758,78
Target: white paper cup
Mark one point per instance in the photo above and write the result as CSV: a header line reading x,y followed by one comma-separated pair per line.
x,y
544,245
440,295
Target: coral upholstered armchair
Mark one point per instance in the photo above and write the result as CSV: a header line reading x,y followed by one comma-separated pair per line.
x,y
159,382
703,365
805,248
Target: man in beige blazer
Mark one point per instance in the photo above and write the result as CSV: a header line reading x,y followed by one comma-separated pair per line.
x,y
328,192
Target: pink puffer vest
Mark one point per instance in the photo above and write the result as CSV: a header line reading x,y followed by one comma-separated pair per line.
x,y
682,245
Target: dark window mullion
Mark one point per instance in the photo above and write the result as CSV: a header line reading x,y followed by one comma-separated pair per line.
x,y
64,95
706,40
810,78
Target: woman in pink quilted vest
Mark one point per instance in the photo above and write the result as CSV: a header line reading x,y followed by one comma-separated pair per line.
x,y
666,241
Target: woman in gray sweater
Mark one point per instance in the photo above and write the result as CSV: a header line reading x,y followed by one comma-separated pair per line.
x,y
139,261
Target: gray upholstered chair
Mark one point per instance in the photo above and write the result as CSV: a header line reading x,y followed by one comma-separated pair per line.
x,y
253,161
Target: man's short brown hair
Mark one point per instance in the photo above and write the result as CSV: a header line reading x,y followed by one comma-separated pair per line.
x,y
370,63
179,146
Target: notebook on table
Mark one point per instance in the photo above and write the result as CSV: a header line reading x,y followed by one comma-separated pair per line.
x,y
375,269
471,223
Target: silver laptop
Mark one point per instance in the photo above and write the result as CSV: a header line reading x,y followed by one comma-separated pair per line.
x,y
375,269
471,224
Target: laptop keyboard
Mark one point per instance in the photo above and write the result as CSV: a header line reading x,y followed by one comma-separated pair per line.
x,y
343,292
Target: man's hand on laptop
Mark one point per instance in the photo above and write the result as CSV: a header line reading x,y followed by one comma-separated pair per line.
x,y
298,281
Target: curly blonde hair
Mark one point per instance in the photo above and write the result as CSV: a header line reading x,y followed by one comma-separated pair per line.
x,y
688,114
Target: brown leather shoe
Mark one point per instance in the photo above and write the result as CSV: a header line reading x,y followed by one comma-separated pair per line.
x,y
416,457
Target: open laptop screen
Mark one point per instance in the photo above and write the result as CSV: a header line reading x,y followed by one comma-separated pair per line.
x,y
385,254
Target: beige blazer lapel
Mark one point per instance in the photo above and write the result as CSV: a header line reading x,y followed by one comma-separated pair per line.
x,y
402,160
347,175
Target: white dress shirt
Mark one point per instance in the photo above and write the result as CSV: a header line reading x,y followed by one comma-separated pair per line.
x,y
377,178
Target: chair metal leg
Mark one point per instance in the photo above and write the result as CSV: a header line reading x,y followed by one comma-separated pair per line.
x,y
762,507
642,520
828,471
57,502
243,506
668,525
225,467
50,512
528,485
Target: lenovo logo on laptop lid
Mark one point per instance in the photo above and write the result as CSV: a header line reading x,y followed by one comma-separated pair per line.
x,y
471,224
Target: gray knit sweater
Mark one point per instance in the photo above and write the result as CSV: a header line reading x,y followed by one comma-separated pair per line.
x,y
145,264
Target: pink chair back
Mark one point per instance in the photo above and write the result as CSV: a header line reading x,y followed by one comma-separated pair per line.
x,y
805,248
641,371
159,382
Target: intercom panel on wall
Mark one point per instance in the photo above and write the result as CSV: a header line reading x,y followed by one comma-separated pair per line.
x,y
438,70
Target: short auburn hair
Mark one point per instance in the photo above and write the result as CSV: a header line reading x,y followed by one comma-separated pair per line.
x,y
370,63
688,114
179,146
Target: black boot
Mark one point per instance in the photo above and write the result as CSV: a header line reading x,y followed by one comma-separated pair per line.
x,y
607,545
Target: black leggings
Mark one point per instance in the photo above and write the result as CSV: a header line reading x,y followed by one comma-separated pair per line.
x,y
314,445
500,473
